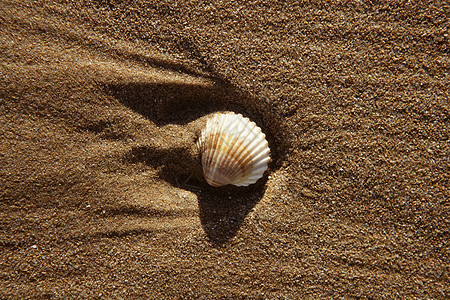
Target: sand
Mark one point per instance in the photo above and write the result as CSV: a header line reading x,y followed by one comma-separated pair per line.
x,y
101,189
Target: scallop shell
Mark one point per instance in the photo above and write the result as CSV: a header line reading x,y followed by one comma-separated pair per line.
x,y
233,149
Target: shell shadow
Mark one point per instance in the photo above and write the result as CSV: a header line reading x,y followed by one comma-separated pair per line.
x,y
177,103
223,210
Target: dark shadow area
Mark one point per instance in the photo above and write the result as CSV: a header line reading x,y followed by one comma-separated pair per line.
x,y
222,210
173,103
166,103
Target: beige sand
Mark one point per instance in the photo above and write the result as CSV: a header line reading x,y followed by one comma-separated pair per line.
x,y
101,190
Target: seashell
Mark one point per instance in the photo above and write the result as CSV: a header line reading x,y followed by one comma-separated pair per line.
x,y
233,149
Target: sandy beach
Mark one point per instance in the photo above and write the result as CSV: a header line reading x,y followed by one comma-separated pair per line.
x,y
102,194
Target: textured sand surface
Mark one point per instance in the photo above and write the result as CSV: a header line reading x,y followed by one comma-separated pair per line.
x,y
101,191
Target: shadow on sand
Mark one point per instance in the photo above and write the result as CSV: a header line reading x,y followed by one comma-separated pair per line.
x,y
222,210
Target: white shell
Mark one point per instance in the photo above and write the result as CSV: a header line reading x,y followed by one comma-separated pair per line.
x,y
234,150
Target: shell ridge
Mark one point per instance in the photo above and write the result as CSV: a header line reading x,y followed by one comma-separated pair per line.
x,y
207,146
220,144
232,138
230,155
258,150
241,138
247,160
251,162
260,165
207,140
241,159
213,148
211,136
232,171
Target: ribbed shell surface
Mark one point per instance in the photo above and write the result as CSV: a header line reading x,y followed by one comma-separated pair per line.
x,y
234,150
